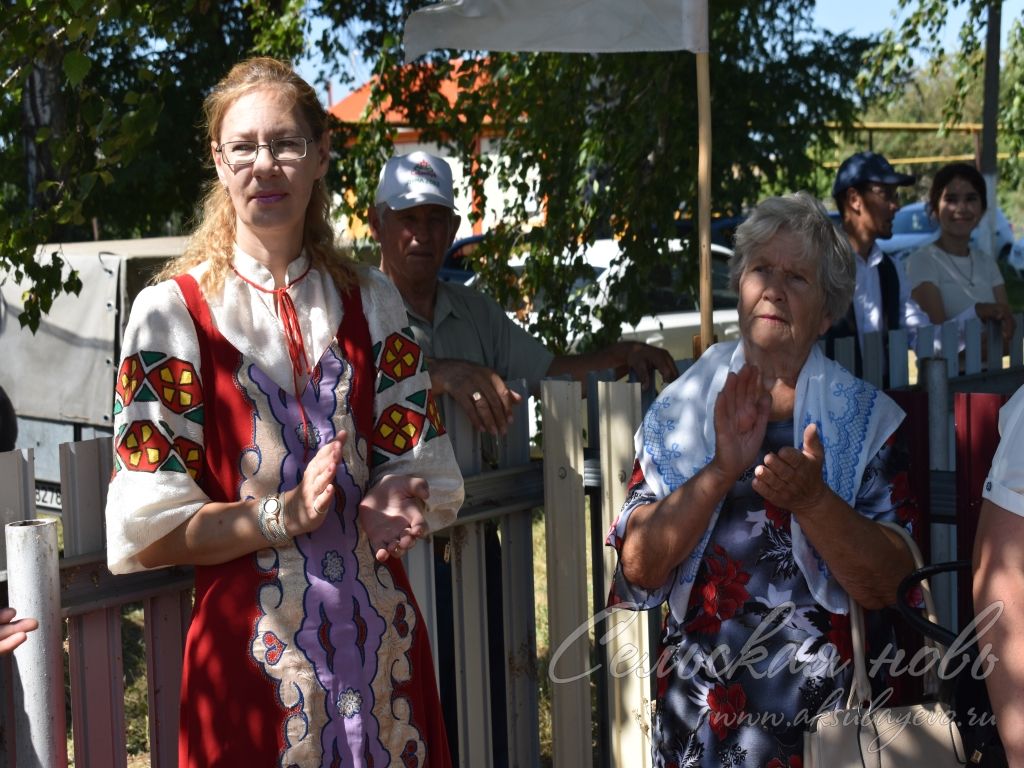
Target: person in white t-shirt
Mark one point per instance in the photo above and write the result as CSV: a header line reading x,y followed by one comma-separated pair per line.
x,y
948,278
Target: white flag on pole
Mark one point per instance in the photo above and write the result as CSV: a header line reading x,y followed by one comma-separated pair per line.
x,y
571,26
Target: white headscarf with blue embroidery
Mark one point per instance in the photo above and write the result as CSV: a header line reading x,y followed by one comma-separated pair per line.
x,y
677,439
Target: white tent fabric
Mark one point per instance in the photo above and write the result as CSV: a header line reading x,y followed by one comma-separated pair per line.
x,y
572,26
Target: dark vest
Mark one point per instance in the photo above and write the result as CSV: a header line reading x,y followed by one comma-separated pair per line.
x,y
892,313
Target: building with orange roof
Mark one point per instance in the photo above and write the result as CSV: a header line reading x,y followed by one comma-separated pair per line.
x,y
355,108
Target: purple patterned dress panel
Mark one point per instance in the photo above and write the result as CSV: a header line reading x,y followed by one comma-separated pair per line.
x,y
340,631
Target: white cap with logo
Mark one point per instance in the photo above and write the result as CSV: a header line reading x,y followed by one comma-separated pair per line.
x,y
417,178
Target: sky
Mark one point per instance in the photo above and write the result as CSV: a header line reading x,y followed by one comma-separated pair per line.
x,y
864,17
861,17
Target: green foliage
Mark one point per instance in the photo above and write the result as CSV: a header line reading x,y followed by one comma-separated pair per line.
x,y
608,144
99,124
947,88
892,68
923,99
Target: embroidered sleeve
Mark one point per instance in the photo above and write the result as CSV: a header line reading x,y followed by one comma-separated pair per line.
x,y
624,594
158,428
408,436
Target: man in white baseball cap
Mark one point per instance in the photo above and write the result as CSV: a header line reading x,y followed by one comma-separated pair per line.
x,y
471,345
472,348
415,179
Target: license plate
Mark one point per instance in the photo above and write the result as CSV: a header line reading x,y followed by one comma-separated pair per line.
x,y
48,497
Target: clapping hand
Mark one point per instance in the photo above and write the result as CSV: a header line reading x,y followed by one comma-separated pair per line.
x,y
741,417
391,514
306,506
792,479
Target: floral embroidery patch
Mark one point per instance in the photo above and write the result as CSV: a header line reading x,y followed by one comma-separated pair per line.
x,y
143,447
176,383
397,357
333,567
350,702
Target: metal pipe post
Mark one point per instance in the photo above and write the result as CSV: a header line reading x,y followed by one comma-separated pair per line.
x,y
33,588
934,373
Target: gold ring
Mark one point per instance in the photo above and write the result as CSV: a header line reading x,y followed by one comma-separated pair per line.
x,y
477,397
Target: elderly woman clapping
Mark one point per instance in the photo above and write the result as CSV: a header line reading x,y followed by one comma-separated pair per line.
x,y
760,475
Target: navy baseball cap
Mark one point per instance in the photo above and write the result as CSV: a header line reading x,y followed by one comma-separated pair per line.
x,y
867,167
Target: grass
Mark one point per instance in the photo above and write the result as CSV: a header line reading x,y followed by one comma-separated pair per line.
x,y
540,603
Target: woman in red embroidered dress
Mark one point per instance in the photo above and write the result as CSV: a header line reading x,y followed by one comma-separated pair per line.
x,y
269,408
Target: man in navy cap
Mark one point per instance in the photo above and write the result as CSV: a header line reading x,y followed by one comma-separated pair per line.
x,y
866,195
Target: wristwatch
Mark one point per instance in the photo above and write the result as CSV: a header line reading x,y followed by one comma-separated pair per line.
x,y
271,520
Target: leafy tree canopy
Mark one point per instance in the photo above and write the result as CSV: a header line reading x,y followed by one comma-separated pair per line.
x,y
947,87
98,124
609,143
101,103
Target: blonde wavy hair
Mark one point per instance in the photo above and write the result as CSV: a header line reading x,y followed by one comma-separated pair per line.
x,y
214,235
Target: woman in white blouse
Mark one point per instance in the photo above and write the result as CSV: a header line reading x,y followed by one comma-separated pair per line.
x,y
274,428
951,280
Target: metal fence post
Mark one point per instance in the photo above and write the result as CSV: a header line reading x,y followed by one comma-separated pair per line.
x,y
95,651
33,584
934,374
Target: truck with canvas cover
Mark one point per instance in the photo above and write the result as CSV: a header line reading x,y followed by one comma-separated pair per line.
x,y
61,378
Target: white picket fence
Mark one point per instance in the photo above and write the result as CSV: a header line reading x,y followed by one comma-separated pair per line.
x,y
589,649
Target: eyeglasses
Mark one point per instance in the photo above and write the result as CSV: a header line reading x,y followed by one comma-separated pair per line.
x,y
235,153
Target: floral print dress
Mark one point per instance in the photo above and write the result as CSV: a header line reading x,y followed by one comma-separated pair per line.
x,y
755,656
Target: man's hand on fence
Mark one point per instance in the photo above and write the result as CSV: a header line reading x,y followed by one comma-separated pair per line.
x,y
478,390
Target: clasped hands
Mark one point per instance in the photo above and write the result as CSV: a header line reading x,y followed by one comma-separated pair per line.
x,y
391,512
790,479
1000,313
